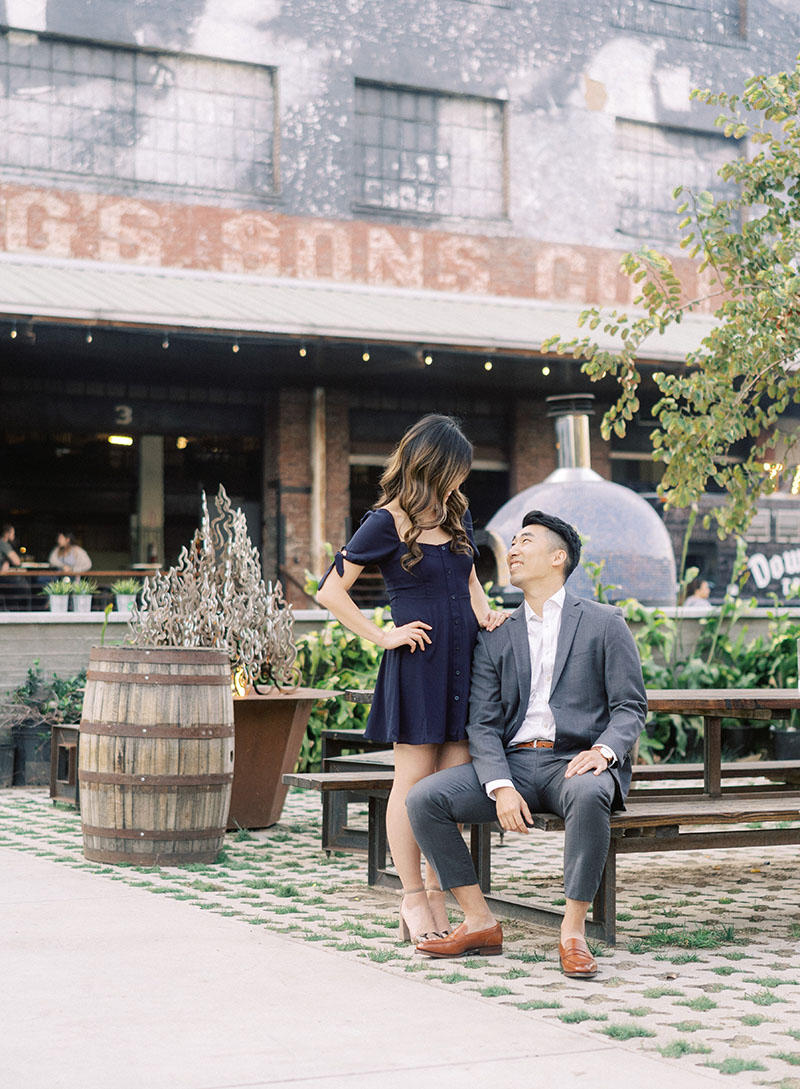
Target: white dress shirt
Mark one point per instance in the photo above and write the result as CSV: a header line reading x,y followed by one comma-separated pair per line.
x,y
539,724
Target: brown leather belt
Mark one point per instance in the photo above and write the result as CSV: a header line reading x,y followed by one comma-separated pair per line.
x,y
534,745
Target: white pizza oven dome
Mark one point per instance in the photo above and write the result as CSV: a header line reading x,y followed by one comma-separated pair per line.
x,y
616,524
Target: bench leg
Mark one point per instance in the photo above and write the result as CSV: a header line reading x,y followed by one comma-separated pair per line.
x,y
377,845
604,908
480,836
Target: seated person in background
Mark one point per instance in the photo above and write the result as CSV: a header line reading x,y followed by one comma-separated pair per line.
x,y
9,558
697,594
15,593
69,556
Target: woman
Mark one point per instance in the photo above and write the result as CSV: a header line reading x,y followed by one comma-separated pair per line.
x,y
420,535
68,556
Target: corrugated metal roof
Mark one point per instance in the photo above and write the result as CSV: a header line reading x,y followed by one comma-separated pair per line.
x,y
90,291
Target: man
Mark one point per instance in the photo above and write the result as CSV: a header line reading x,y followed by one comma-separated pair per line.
x,y
16,591
557,702
8,556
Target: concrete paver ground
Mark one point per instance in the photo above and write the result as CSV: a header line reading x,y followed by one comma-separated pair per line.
x,y
277,965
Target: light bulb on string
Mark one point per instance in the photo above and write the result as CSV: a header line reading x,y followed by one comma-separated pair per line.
x,y
487,366
365,355
428,360
235,347
165,342
89,337
545,371
14,331
303,351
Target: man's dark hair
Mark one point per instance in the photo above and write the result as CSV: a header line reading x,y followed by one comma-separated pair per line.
x,y
567,536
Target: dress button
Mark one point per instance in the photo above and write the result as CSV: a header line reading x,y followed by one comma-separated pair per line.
x,y
444,547
452,597
458,672
458,648
456,698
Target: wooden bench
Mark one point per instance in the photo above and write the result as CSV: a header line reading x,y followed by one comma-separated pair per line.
x,y
654,820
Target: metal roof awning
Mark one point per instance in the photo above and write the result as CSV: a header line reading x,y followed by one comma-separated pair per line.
x,y
167,298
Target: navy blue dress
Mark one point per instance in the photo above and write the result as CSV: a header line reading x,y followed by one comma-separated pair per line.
x,y
420,697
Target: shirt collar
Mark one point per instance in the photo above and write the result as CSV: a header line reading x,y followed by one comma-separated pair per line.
x,y
556,601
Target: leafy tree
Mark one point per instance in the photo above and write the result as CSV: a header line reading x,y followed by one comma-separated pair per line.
x,y
746,371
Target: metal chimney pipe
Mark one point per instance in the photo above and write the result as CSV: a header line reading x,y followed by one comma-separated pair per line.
x,y
571,414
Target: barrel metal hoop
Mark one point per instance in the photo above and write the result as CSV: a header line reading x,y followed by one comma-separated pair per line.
x,y
194,732
115,778
162,655
178,680
151,834
152,858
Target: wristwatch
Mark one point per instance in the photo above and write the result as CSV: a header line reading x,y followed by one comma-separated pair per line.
x,y
608,753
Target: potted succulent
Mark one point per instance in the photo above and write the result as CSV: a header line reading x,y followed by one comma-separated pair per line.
x,y
125,591
30,712
58,594
82,591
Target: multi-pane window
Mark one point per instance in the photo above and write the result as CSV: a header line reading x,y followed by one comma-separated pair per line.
x,y
69,109
428,153
651,161
704,20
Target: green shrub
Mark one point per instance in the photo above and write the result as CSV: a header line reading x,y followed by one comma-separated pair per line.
x,y
333,657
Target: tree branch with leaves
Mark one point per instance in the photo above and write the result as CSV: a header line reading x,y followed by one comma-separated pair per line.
x,y
717,417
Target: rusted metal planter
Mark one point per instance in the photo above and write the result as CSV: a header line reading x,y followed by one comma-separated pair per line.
x,y
269,731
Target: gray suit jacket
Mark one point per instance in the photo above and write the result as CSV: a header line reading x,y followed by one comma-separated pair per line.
x,y
597,694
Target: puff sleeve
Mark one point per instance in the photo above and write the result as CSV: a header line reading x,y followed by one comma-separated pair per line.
x,y
373,542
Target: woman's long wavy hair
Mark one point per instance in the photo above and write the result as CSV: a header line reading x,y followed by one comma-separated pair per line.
x,y
431,460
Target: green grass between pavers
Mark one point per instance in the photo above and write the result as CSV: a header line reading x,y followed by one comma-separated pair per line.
x,y
450,977
764,998
688,1026
495,991
791,1057
701,937
736,1066
538,1004
625,1032
772,981
662,992
575,1017
683,1047
699,1004
637,1011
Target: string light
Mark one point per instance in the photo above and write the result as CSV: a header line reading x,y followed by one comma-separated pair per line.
x,y
181,442
796,481
14,331
235,347
89,337
487,366
428,360
165,342
120,440
545,371
365,356
303,351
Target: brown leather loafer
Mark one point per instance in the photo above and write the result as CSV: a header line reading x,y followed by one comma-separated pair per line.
x,y
576,960
480,943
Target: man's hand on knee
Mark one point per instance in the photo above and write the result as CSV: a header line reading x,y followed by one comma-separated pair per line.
x,y
591,760
512,810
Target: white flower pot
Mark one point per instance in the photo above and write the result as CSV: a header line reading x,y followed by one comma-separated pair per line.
x,y
59,603
82,603
125,602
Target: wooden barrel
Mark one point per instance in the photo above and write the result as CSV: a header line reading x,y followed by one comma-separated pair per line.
x,y
156,755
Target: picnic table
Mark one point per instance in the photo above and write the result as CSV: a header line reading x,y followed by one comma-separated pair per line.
x,y
660,819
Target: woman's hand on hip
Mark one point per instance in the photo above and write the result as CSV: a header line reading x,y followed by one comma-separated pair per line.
x,y
411,635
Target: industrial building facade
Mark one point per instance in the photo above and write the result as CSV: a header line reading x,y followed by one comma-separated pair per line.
x,y
251,242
